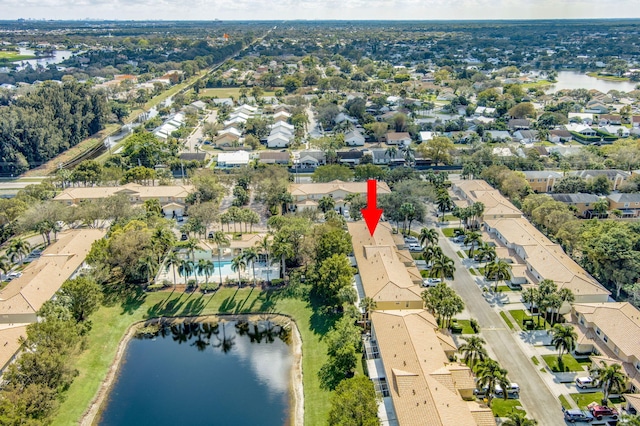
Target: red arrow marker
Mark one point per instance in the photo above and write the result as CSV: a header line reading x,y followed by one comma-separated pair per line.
x,y
372,213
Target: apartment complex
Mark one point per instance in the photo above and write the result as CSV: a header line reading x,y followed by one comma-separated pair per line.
x,y
21,299
542,181
408,356
307,195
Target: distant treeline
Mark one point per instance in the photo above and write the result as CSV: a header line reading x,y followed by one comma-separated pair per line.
x,y
40,125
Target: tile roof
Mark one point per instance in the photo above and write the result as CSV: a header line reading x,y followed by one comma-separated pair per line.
x,y
335,185
143,191
9,342
494,203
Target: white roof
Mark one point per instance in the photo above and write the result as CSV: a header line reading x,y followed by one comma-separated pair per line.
x,y
237,157
426,136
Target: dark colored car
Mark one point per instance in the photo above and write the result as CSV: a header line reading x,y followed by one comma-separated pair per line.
x,y
576,415
600,411
184,237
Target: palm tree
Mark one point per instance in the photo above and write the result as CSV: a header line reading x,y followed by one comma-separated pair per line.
x,y
238,264
564,338
264,245
473,350
471,239
185,268
326,203
489,375
519,419
391,152
220,239
148,263
443,268
630,420
486,253
611,378
18,249
443,201
5,264
192,244
406,210
207,268
367,305
283,249
600,207
172,261
565,295
530,296
250,256
428,236
498,271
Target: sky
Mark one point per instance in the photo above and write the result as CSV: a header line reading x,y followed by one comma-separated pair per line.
x,y
318,9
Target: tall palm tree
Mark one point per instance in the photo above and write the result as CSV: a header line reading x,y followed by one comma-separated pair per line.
x,y
486,253
471,239
148,263
185,269
250,256
565,295
564,338
428,236
238,264
519,419
490,374
391,152
207,268
443,201
498,271
431,253
473,350
163,239
172,261
611,378
264,245
443,268
192,244
367,305
283,249
406,210
220,239
18,249
530,296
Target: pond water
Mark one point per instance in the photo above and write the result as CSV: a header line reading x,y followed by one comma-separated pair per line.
x,y
574,80
229,373
56,57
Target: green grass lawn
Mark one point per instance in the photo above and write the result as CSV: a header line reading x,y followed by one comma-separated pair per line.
x,y
568,361
449,217
460,254
111,323
12,56
416,256
448,232
536,84
503,288
520,316
606,77
466,327
504,407
563,401
506,319
473,271
227,92
535,360
584,399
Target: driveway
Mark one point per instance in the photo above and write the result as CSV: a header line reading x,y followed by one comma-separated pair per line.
x,y
535,397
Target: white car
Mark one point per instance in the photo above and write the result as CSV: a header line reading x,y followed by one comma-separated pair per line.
x,y
586,382
514,390
415,247
431,282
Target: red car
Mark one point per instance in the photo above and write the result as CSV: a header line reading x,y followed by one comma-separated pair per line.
x,y
600,411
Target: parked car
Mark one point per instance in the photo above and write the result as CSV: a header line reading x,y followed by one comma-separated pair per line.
x,y
513,390
459,239
184,237
415,247
409,239
586,382
575,415
431,282
480,392
600,411
210,235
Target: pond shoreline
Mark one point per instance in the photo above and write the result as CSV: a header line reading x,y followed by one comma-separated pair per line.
x,y
92,414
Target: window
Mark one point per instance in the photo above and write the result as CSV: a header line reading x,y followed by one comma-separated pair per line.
x,y
615,350
597,331
581,320
605,338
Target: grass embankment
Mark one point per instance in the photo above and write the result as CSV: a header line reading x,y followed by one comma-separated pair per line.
x,y
506,320
111,323
606,77
569,363
91,142
448,232
565,404
520,316
11,56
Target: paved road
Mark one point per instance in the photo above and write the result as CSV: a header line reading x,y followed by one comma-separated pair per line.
x,y
192,140
535,397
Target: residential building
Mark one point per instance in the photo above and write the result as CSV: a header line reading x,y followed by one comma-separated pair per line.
x,y
354,138
307,195
498,135
611,330
427,136
273,157
495,205
23,297
580,128
559,136
519,124
616,177
398,138
543,180
383,156
627,203
350,158
172,197
583,203
233,159
525,136
279,140
620,131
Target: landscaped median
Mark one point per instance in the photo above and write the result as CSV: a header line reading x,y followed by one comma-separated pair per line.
x,y
111,323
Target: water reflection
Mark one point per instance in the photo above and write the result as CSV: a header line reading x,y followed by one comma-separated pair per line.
x,y
220,367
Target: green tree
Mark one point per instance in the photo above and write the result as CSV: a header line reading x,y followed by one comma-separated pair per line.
x,y
471,239
238,264
334,273
367,305
18,249
326,203
354,403
250,256
332,172
84,296
611,378
443,267
490,374
498,271
564,338
518,419
523,110
206,268
185,269
437,149
428,237
172,261
473,351
220,239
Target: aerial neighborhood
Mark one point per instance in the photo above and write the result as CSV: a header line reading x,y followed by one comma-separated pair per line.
x,y
210,185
